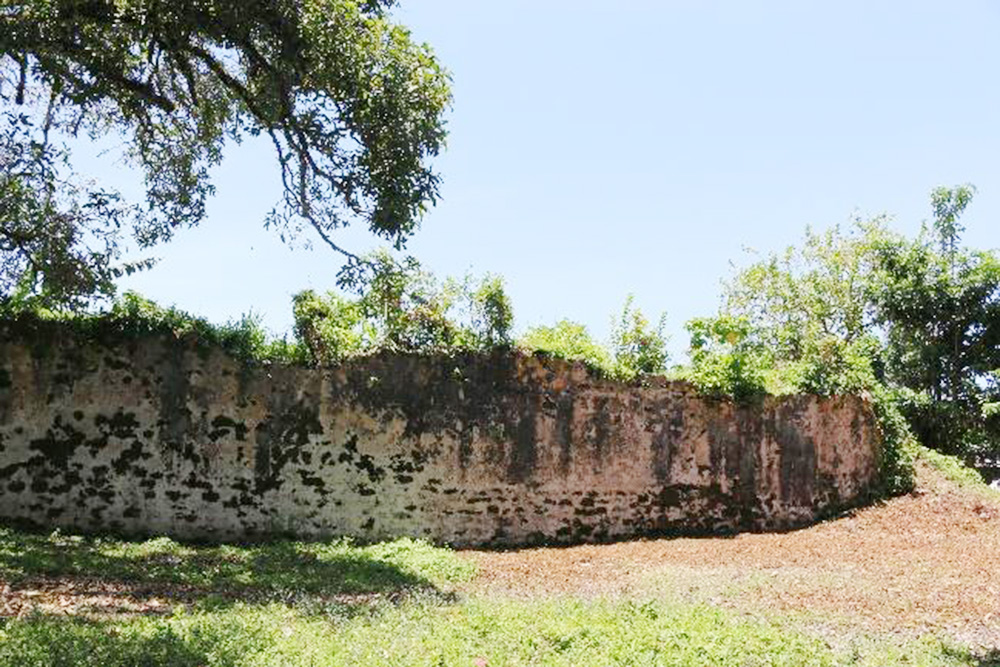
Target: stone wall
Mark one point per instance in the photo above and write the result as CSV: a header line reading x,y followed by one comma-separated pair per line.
x,y
158,435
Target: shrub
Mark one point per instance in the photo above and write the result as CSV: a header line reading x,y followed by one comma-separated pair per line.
x,y
638,348
400,306
568,340
329,327
726,360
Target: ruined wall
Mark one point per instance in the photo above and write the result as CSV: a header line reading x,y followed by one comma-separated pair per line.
x,y
157,435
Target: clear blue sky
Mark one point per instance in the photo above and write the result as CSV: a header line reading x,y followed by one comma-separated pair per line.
x,y
596,151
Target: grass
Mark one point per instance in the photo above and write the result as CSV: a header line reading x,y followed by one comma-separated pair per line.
x,y
953,469
479,632
336,567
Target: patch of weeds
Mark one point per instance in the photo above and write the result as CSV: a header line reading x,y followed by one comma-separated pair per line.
x,y
479,632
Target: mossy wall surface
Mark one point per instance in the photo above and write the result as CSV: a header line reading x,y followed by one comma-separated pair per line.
x,y
159,435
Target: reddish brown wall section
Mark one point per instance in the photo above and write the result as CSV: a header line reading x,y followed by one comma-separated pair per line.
x,y
158,436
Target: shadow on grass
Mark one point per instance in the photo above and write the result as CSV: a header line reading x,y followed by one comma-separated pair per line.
x,y
46,641
277,571
989,658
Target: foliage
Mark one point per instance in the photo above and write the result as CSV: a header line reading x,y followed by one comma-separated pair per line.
x,y
637,347
59,241
727,361
940,305
952,468
402,307
797,300
568,340
352,106
898,453
492,312
245,339
132,315
330,327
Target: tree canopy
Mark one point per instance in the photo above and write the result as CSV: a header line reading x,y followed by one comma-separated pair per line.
x,y
919,317
352,106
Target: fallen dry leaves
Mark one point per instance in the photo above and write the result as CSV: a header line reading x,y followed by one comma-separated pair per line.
x,y
926,562
72,596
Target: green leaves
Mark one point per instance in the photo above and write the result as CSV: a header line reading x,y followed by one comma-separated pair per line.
x,y
568,340
402,307
353,107
59,240
637,346
727,361
940,306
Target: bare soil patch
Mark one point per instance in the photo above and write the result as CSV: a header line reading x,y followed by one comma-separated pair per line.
x,y
73,595
926,562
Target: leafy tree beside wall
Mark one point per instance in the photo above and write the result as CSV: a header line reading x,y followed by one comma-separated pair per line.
x,y
916,321
939,303
351,105
403,307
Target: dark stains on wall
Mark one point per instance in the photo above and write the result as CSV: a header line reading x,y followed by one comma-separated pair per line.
x,y
564,429
173,384
431,392
500,448
665,420
798,454
280,439
599,430
524,451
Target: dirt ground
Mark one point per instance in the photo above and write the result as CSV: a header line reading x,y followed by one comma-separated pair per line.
x,y
926,562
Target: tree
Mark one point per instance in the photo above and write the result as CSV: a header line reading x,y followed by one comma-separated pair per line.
x,y
353,108
58,244
920,317
940,305
819,291
638,348
404,308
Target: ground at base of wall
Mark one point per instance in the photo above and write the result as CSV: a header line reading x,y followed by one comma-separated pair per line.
x,y
910,581
925,562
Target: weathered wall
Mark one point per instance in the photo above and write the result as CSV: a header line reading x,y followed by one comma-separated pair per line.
x,y
158,436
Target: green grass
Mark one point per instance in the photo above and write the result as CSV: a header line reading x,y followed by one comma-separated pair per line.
x,y
953,469
333,567
302,620
478,632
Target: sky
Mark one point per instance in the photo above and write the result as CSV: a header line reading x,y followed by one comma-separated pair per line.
x,y
595,152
